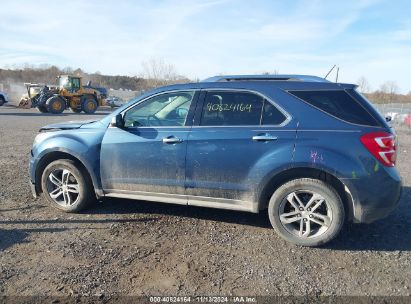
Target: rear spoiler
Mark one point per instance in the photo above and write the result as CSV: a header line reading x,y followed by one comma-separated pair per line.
x,y
348,86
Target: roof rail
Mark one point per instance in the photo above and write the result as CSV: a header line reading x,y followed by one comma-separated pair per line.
x,y
226,78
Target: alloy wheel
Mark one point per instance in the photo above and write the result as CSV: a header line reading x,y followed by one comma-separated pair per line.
x,y
63,187
305,214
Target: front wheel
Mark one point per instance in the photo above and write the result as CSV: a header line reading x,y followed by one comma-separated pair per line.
x,y
89,105
42,109
67,186
55,105
306,212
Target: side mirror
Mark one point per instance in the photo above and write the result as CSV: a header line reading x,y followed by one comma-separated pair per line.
x,y
388,118
117,121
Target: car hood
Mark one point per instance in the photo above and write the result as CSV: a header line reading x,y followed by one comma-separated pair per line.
x,y
66,125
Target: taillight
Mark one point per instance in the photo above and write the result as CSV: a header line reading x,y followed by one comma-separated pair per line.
x,y
382,146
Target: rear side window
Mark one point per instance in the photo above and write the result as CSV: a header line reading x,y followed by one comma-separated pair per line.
x,y
225,108
339,104
271,115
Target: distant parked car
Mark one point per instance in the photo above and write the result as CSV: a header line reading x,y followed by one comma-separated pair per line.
x,y
114,101
311,153
3,98
391,116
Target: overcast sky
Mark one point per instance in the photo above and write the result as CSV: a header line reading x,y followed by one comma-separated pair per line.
x,y
367,38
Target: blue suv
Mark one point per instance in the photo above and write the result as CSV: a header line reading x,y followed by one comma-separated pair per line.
x,y
310,152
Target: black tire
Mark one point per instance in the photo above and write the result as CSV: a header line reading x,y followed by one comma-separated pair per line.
x,y
75,110
56,105
67,201
1,101
42,109
305,216
89,104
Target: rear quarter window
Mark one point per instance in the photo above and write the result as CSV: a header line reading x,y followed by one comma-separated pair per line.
x,y
338,103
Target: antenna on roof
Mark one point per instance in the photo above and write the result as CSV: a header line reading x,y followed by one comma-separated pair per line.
x,y
336,77
330,71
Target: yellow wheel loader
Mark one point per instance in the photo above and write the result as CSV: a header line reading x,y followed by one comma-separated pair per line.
x,y
69,93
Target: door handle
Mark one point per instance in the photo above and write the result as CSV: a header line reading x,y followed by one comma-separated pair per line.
x,y
264,137
172,140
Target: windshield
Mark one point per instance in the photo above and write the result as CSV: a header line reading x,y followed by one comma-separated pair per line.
x,y
63,82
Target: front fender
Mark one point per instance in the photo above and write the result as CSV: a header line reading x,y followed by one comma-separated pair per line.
x,y
85,148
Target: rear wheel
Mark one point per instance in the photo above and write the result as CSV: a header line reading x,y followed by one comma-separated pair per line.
x,y
306,212
67,186
56,105
1,101
89,104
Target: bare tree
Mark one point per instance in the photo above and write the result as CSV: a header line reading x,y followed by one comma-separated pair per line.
x,y
389,89
274,72
67,70
157,72
158,69
363,85
392,89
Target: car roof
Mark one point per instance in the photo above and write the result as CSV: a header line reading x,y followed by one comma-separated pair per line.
x,y
284,82
277,77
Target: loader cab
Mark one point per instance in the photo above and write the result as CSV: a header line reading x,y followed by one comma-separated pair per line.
x,y
70,83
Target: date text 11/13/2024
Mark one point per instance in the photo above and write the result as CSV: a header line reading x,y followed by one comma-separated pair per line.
x,y
202,299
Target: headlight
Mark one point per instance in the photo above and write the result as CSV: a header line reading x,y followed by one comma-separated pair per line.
x,y
40,137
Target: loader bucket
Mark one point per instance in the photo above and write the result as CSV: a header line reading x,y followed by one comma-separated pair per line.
x,y
25,103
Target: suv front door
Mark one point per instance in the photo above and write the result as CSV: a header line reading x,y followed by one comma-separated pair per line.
x,y
146,158
237,139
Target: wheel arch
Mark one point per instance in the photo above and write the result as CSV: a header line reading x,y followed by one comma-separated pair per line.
x,y
56,155
88,95
278,179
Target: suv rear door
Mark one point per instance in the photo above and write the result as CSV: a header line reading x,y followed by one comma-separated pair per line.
x,y
238,139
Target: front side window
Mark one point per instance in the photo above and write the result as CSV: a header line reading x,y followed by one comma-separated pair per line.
x,y
225,108
169,109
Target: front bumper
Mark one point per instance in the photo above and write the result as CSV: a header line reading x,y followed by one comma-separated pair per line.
x,y
32,175
33,189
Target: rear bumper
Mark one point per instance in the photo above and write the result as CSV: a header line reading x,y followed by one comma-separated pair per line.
x,y
376,197
369,215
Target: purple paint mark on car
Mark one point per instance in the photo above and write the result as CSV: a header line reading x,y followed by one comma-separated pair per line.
x,y
315,157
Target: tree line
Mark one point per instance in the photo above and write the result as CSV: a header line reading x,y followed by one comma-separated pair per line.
x,y
155,73
386,92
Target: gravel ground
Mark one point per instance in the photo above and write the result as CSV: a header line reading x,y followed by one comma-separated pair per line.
x,y
122,247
